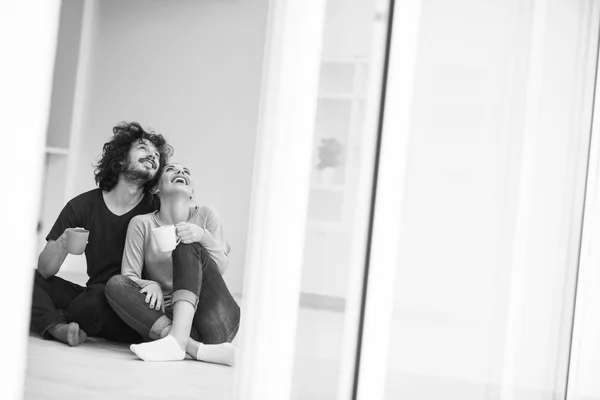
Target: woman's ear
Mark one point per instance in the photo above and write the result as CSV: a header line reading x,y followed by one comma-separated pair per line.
x,y
154,190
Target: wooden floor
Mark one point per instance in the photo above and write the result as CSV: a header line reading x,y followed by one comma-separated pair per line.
x,y
99,369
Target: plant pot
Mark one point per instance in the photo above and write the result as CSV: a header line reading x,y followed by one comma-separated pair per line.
x,y
327,175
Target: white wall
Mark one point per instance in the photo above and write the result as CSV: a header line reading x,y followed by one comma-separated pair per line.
x,y
65,69
191,70
453,287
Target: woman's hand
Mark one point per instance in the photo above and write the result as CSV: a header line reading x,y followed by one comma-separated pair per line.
x,y
189,233
154,296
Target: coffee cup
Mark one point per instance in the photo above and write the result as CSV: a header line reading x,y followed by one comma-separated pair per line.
x,y
166,238
77,239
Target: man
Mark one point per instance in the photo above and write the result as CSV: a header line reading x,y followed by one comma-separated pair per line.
x,y
130,165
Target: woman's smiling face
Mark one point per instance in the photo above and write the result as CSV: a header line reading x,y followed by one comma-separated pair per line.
x,y
174,179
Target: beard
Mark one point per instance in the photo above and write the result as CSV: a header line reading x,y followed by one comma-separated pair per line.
x,y
136,176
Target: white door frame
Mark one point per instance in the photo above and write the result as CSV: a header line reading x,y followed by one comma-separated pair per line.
x,y
280,199
387,224
28,34
280,196
389,197
378,58
586,318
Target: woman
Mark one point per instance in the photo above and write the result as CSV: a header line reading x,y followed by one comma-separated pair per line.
x,y
177,300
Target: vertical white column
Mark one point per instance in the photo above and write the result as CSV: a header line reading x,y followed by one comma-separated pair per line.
x,y
279,200
28,31
387,222
525,204
82,81
88,27
585,350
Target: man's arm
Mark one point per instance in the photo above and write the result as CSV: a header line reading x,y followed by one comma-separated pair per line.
x,y
53,256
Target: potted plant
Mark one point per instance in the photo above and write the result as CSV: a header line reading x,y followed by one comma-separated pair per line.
x,y
330,151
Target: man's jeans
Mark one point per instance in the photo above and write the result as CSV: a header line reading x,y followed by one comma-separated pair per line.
x,y
197,280
56,300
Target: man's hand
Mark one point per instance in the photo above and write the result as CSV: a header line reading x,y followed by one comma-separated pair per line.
x,y
189,233
62,240
52,256
154,296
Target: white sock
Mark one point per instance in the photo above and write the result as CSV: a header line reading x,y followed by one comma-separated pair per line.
x,y
165,349
224,353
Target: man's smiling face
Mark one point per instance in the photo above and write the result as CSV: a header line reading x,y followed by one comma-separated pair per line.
x,y
143,161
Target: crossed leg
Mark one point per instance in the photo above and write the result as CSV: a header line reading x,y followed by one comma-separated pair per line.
x,y
202,307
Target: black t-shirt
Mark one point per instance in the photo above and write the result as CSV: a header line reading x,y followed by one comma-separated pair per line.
x,y
104,251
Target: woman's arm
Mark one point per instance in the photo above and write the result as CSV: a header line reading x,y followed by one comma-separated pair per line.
x,y
207,231
214,240
133,254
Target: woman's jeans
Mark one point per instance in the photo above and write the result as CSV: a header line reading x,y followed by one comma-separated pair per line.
x,y
197,280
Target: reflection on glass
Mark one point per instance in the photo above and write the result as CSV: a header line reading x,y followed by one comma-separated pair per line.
x,y
471,319
338,174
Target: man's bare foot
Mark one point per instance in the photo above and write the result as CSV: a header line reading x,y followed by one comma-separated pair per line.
x,y
70,334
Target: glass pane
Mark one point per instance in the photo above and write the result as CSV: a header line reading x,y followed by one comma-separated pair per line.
x,y
337,79
341,172
470,321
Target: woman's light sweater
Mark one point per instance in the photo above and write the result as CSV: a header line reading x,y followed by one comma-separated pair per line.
x,y
141,254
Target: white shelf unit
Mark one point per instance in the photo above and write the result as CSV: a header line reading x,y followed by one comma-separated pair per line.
x,y
332,197
340,111
60,133
57,150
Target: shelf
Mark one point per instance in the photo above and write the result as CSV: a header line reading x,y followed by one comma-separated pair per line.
x,y
345,60
326,227
57,150
338,96
332,188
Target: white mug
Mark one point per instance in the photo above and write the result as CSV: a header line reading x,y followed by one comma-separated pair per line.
x,y
166,238
77,239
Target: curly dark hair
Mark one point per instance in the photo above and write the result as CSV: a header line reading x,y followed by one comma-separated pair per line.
x,y
116,151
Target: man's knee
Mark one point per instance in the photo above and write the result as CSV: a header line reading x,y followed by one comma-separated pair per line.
x,y
41,280
38,279
89,309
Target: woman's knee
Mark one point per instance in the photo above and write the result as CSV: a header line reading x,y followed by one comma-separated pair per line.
x,y
226,313
117,286
192,254
234,323
185,250
220,325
